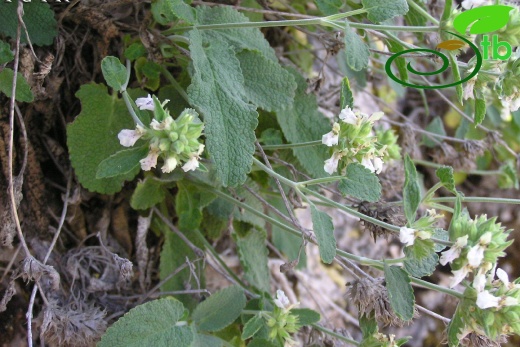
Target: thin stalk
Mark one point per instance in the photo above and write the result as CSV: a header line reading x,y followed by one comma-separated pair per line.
x,y
421,10
130,108
436,287
320,181
293,145
174,83
274,174
336,335
470,172
479,199
447,10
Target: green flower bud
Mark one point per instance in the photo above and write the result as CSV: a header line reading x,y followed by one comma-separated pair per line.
x,y
173,136
164,145
178,147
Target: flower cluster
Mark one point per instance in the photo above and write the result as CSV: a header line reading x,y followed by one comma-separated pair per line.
x,y
282,323
421,229
176,141
507,86
353,141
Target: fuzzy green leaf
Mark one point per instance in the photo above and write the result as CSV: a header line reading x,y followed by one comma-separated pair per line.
x,y
508,176
23,90
189,203
324,231
38,18
92,137
445,174
411,190
381,10
400,292
220,310
237,38
114,72
400,63
303,123
329,7
480,106
455,328
6,55
252,251
122,162
360,183
440,234
420,265
262,343
346,96
437,127
356,50
306,316
217,90
147,194
368,325
456,77
252,326
151,324
267,84
167,11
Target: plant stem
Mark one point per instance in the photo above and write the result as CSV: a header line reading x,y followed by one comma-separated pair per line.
x,y
447,10
470,172
479,199
174,83
292,145
421,10
274,174
336,335
437,288
320,181
130,107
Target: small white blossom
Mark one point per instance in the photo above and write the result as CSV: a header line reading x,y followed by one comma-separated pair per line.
x,y
378,165
348,116
150,161
282,301
476,253
508,301
200,150
468,88
459,275
145,103
375,116
128,138
366,162
454,252
479,282
407,236
486,300
331,165
191,165
164,125
469,4
503,277
330,139
169,164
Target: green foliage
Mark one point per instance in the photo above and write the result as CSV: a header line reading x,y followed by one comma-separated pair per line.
x,y
266,83
23,90
454,328
220,309
420,262
329,7
509,176
92,137
38,18
356,50
400,292
167,11
6,55
456,77
303,123
121,163
324,231
155,323
252,326
114,72
411,190
368,325
381,10
252,251
437,127
445,175
306,316
346,96
480,105
147,194
360,183
217,90
189,202
396,47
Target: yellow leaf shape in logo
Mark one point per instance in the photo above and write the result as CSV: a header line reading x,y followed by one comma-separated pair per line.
x,y
451,45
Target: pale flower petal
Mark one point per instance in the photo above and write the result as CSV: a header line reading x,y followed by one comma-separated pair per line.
x,y
366,162
469,4
485,239
468,88
169,164
128,137
454,252
479,282
375,116
331,165
330,139
476,255
348,116
282,301
200,150
145,103
486,300
150,161
459,275
503,277
407,236
155,125
378,165
509,301
191,165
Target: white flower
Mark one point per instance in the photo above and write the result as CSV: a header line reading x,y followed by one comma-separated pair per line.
x,y
331,165
486,300
479,282
128,137
330,139
375,116
366,162
191,165
508,301
407,236
169,164
502,276
164,125
476,253
468,88
145,103
150,161
459,275
282,301
454,252
348,116
469,4
378,165
200,150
